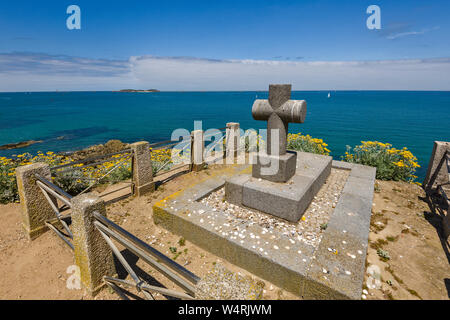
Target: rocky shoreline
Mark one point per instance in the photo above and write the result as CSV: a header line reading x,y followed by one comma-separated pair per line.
x,y
18,145
111,146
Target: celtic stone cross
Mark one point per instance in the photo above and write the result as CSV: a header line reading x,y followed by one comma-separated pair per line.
x,y
279,111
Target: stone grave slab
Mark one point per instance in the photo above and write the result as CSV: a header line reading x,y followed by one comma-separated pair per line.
x,y
330,267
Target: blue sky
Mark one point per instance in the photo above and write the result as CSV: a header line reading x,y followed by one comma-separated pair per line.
x,y
140,43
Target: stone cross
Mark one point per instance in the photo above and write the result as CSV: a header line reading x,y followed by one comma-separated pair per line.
x,y
279,111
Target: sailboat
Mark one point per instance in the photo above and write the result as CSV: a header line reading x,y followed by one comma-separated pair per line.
x,y
329,95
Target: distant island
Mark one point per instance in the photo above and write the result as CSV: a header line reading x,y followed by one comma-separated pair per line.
x,y
136,90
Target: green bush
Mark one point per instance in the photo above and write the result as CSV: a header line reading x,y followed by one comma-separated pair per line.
x,y
391,163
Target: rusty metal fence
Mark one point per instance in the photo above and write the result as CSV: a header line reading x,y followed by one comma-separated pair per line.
x,y
78,166
53,193
163,264
180,157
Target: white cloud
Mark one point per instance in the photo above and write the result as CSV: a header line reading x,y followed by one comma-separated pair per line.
x,y
197,74
40,72
409,33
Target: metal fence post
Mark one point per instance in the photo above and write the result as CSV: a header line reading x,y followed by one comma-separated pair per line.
x,y
142,168
92,253
35,207
232,141
197,150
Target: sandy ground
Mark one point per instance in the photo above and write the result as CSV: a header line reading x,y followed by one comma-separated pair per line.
x,y
418,264
404,228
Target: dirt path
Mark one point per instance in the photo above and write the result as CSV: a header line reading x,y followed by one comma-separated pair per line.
x,y
38,269
418,265
403,227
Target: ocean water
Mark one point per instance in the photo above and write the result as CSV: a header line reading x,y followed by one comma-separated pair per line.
x,y
68,121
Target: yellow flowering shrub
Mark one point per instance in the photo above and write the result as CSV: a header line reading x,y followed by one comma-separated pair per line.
x,y
75,181
306,143
165,159
8,186
391,163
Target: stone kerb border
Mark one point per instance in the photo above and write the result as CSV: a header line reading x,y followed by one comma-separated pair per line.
x,y
316,274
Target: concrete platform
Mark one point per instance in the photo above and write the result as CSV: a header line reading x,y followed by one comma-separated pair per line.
x,y
334,269
287,200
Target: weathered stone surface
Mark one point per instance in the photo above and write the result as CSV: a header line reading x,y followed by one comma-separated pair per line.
x,y
142,168
232,141
279,111
340,276
234,188
274,168
92,254
285,200
301,268
198,145
437,172
35,207
222,284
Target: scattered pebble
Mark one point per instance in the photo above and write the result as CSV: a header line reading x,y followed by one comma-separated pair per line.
x,y
307,230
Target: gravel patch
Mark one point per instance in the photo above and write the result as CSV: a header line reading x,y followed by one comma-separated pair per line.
x,y
308,230
223,284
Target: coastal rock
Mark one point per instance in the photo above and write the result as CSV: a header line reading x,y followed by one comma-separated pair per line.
x,y
109,147
18,145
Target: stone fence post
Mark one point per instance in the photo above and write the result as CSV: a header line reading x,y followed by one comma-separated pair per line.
x,y
92,254
197,150
142,168
232,141
437,172
34,206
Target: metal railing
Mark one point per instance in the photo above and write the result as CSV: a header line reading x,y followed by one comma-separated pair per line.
x,y
166,266
93,162
169,144
51,190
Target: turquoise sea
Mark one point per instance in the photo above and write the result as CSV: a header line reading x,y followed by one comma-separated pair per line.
x,y
68,121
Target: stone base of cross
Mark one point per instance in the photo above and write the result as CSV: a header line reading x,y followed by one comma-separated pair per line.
x,y
278,165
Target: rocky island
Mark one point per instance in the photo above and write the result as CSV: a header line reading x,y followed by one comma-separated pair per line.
x,y
138,90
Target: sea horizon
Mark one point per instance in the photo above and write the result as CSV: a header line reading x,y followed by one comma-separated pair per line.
x,y
67,121
315,90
